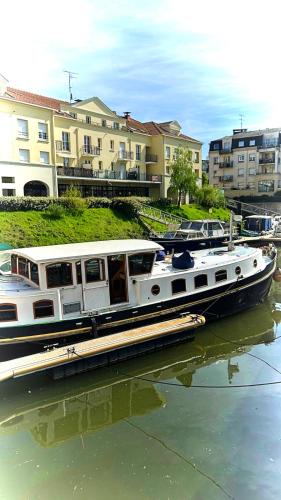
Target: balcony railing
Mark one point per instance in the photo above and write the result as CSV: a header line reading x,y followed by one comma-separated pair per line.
x,y
226,179
63,146
88,150
150,158
269,159
125,155
130,175
225,151
23,134
264,172
43,135
226,164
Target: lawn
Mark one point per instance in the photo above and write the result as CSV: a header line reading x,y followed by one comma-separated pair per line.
x,y
33,228
194,211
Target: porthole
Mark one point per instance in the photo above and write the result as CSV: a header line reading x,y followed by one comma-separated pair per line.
x,y
155,290
255,263
238,270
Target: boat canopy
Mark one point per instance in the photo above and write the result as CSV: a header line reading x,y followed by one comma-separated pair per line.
x,y
84,250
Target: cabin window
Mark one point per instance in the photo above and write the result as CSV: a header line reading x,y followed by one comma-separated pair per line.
x,y
94,270
78,272
59,274
178,286
200,280
238,270
255,263
43,308
8,312
34,275
14,264
140,263
221,275
23,267
155,290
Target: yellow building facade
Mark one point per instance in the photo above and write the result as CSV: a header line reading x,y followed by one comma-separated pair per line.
x,y
46,145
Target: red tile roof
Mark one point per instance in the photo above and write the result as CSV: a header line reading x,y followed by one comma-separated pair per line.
x,y
39,100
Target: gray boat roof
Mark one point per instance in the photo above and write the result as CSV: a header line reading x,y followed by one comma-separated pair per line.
x,y
83,250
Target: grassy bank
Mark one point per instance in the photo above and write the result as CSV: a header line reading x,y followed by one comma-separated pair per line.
x,y
194,211
32,228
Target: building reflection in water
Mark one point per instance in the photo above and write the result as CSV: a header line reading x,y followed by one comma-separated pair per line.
x,y
63,411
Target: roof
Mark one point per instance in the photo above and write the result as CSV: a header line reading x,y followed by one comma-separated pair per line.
x,y
250,133
30,98
259,217
83,250
153,128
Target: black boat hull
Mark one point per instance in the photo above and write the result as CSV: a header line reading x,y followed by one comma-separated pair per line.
x,y
178,245
213,303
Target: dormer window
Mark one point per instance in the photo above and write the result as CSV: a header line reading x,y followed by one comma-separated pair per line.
x,y
241,144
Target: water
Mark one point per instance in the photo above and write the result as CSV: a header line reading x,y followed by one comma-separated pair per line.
x,y
144,430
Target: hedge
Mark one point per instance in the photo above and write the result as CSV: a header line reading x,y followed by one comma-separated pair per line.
x,y
129,205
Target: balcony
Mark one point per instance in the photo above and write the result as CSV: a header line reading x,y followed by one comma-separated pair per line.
x,y
226,178
43,136
63,146
268,159
88,173
225,151
226,164
23,134
265,172
88,150
125,155
150,158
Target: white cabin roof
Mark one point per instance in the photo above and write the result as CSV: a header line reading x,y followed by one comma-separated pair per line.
x,y
83,250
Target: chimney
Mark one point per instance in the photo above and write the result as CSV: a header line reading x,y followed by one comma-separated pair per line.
x,y
127,114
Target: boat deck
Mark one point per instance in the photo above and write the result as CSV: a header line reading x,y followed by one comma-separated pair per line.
x,y
64,355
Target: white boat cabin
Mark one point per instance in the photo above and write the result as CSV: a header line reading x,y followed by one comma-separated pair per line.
x,y
69,281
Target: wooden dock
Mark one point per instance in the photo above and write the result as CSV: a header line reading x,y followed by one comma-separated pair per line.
x,y
93,348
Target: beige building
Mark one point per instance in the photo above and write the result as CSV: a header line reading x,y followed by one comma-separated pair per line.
x,y
47,144
247,163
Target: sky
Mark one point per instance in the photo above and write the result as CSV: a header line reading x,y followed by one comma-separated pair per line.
x,y
200,62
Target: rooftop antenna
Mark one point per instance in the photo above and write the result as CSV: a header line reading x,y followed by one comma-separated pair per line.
x,y
241,121
70,76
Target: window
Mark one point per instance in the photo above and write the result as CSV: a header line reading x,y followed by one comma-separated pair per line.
x,y
111,145
216,146
252,157
66,161
138,152
65,141
252,171
252,142
22,129
237,270
44,157
34,275
265,186
103,123
167,152
155,290
43,131
216,160
59,274
140,263
178,286
23,267
94,270
43,308
255,263
24,155
100,165
8,180
116,125
196,157
112,165
8,312
8,192
241,158
241,144
240,172
200,280
221,275
14,264
99,143
78,272
88,119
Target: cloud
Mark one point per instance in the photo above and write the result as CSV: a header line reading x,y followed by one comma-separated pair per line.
x,y
202,63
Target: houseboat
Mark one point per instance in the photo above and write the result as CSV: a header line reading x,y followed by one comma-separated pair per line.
x,y
194,235
258,225
70,293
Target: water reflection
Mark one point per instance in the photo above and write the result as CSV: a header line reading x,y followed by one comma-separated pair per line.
x,y
56,412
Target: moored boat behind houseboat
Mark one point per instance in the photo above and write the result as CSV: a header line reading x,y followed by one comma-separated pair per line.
x,y
67,293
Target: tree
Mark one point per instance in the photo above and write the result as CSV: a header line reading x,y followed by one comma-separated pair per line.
x,y
205,179
209,196
183,179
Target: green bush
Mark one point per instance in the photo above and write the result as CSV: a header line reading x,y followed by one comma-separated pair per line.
x,y
74,203
55,211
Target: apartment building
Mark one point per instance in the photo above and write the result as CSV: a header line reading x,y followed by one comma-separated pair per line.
x,y
46,145
247,162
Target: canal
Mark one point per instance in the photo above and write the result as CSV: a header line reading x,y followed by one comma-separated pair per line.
x,y
201,420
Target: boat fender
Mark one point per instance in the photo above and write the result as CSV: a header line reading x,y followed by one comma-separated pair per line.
x,y
94,327
277,275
